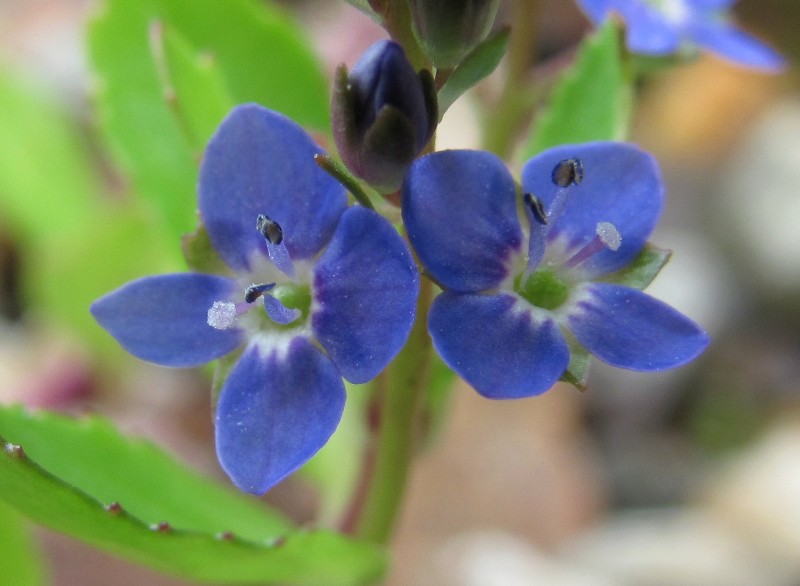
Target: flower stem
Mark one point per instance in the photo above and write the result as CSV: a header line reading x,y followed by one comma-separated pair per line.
x,y
396,429
505,117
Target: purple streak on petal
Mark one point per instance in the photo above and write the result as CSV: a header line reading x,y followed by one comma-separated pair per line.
x,y
260,162
498,344
276,411
164,319
460,211
736,46
627,328
621,185
278,312
365,288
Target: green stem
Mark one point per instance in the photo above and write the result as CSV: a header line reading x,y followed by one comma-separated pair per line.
x,y
339,172
396,432
505,117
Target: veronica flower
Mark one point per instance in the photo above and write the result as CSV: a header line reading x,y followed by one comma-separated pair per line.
x,y
519,295
662,27
315,291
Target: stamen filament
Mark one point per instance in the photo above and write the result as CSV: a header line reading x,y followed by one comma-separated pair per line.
x,y
607,238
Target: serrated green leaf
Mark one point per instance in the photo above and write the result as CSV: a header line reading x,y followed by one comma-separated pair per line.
x,y
592,101
261,54
481,61
643,269
20,563
201,97
46,182
68,472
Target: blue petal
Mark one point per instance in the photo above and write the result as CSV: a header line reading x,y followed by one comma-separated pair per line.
x,y
627,328
709,5
277,408
278,312
596,10
365,292
460,211
648,30
164,319
260,162
739,47
498,344
621,185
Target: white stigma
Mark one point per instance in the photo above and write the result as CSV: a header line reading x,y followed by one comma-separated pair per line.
x,y
222,315
609,235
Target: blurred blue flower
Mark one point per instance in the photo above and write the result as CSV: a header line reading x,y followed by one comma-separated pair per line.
x,y
661,27
509,313
337,285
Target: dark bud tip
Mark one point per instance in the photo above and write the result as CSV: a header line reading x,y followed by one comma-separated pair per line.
x,y
162,527
225,536
15,451
253,292
270,229
113,508
536,207
568,172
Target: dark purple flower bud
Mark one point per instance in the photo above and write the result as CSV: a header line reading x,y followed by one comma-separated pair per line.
x,y
383,114
449,29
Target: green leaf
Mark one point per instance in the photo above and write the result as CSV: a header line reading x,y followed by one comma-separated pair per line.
x,y
68,472
481,61
46,182
643,269
262,56
593,99
20,564
201,97
113,245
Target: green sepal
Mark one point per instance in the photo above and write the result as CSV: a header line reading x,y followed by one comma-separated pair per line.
x,y
83,478
481,61
577,372
222,368
641,271
200,255
593,99
431,99
388,150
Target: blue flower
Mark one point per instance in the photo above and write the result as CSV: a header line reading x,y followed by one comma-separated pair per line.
x,y
662,27
511,310
336,285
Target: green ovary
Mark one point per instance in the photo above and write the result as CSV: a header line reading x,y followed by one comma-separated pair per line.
x,y
294,297
544,289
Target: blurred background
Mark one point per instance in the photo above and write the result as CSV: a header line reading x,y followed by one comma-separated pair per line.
x,y
689,477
